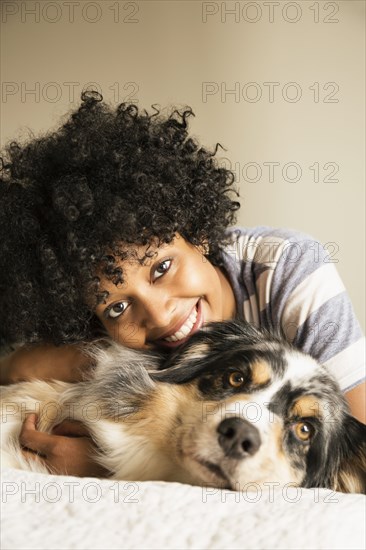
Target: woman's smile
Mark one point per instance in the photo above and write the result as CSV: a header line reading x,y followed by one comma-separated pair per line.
x,y
183,331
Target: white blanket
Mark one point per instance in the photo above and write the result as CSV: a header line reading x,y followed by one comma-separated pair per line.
x,y
49,512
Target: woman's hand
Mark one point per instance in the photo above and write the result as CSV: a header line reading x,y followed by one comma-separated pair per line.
x,y
44,362
67,451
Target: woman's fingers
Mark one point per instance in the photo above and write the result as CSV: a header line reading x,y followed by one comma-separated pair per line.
x,y
43,442
31,438
60,454
71,428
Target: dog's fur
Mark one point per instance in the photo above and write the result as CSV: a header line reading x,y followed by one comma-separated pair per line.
x,y
232,406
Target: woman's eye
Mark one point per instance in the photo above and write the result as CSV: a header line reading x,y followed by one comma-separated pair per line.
x,y
117,309
303,431
162,268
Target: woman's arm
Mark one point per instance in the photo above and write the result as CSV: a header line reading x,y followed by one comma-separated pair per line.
x,y
43,362
67,450
357,402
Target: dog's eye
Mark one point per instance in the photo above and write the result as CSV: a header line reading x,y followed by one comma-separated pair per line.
x,y
303,431
236,379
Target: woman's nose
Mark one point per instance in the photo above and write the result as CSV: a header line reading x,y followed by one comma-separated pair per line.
x,y
157,311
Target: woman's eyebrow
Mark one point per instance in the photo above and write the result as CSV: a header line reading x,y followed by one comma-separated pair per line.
x,y
108,300
112,297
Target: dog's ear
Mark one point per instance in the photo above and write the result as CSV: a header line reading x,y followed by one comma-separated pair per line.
x,y
351,475
185,364
206,349
199,353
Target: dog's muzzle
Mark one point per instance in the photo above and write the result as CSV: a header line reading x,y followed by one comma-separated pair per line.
x,y
238,438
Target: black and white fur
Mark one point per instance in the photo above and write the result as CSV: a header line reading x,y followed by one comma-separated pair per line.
x,y
232,406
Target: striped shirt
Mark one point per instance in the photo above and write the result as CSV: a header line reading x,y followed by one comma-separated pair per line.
x,y
282,278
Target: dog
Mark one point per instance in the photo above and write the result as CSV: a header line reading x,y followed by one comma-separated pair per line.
x,y
233,405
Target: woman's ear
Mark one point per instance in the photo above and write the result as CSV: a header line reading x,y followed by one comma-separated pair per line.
x,y
204,248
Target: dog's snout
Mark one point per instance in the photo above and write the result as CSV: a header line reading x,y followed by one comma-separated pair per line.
x,y
238,438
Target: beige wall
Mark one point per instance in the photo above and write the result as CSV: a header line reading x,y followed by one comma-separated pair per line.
x,y
192,52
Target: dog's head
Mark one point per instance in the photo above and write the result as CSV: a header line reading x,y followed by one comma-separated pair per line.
x,y
236,405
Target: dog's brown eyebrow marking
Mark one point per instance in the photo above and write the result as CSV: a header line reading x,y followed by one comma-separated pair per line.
x,y
308,405
261,373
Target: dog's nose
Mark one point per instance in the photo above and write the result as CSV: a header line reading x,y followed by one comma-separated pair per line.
x,y
238,438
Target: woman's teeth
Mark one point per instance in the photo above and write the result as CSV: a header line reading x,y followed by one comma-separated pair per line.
x,y
184,329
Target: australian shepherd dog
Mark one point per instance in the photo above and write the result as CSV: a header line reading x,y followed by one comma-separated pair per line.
x,y
234,405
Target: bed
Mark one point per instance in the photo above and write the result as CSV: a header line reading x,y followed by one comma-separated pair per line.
x,y
63,512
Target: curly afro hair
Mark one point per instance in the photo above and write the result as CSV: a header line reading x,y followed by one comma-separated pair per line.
x,y
71,199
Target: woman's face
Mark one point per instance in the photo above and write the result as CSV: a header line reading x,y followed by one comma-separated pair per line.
x,y
162,303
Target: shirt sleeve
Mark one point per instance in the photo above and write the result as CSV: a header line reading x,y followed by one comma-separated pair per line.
x,y
290,280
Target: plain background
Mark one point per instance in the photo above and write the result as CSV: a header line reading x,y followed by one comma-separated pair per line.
x,y
280,85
